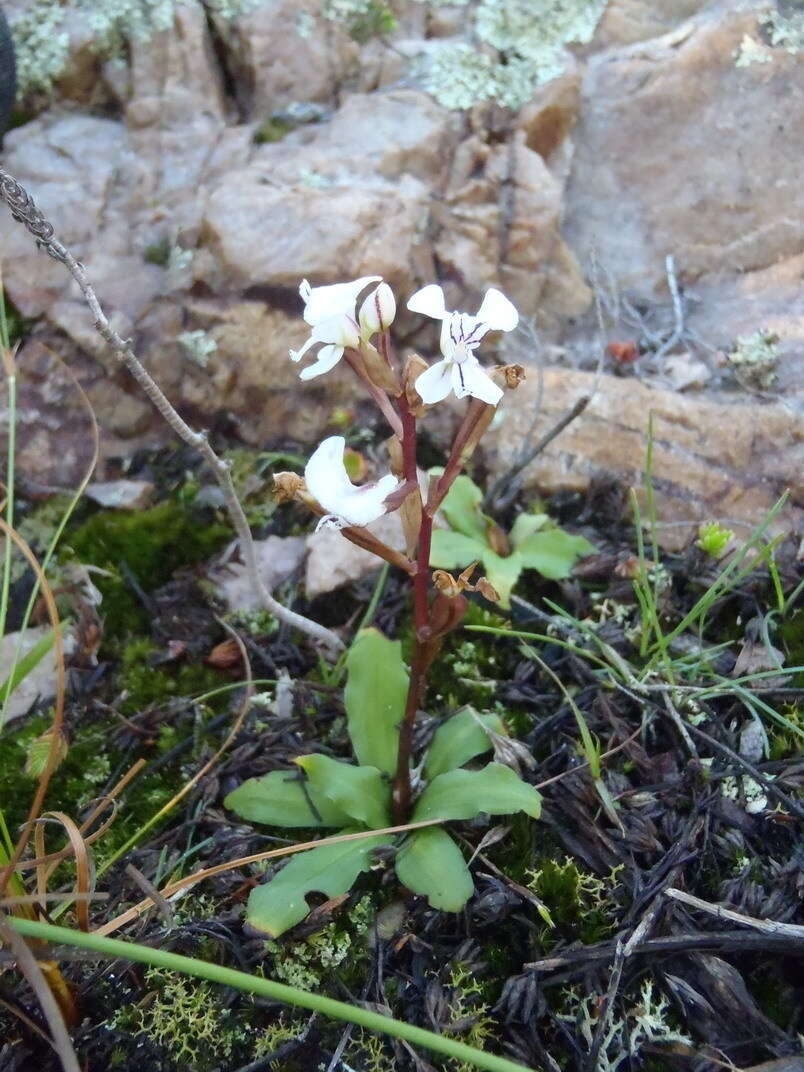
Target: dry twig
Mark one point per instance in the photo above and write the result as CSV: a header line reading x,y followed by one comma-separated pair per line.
x,y
24,211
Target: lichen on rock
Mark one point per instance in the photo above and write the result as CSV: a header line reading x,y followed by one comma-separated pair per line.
x,y
529,49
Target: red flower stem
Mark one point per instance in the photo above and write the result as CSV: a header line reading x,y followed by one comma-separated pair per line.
x,y
424,646
424,651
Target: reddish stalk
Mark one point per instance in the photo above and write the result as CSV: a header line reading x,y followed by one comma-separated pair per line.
x,y
425,646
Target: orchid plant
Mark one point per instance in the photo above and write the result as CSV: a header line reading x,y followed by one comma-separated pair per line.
x,y
383,696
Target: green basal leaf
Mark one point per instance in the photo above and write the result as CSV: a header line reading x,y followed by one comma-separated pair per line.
x,y
463,794
375,694
452,550
460,739
525,525
280,903
283,798
553,552
361,792
461,508
502,572
431,864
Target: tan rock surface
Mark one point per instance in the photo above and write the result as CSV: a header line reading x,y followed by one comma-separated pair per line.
x,y
678,150
714,457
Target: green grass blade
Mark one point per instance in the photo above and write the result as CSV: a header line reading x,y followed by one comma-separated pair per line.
x,y
267,988
22,667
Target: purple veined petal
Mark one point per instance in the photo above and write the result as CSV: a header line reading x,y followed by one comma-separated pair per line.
x,y
436,383
336,299
326,358
469,378
429,301
325,473
497,311
470,329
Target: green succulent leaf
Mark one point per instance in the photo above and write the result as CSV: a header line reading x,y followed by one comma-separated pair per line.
x,y
461,507
452,550
463,794
502,572
282,799
375,694
361,792
332,870
553,552
431,864
460,739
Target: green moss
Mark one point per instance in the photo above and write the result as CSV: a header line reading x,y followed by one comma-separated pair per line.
x,y
158,252
272,130
580,904
362,19
149,545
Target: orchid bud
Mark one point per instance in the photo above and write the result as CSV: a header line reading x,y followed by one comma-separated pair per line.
x,y
377,311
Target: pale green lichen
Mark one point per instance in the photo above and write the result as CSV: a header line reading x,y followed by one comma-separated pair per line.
x,y
42,41
623,1038
754,358
41,45
750,52
198,345
183,1017
786,30
304,964
528,42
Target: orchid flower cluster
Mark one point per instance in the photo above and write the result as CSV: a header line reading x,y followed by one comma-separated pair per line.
x,y
341,331
345,328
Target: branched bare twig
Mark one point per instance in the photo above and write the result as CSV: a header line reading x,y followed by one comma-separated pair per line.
x,y
24,211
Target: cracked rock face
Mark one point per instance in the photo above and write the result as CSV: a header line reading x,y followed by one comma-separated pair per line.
x,y
244,156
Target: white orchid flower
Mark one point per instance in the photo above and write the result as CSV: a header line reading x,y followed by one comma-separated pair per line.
x,y
461,334
330,312
346,503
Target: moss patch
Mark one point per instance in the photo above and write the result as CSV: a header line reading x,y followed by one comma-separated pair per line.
x,y
146,547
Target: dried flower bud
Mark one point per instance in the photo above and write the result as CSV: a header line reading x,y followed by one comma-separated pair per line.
x,y
377,311
509,376
288,487
497,539
487,590
414,367
378,369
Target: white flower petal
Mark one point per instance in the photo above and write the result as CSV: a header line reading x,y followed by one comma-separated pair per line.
x,y
326,359
338,299
361,506
325,474
468,378
497,311
436,383
429,301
